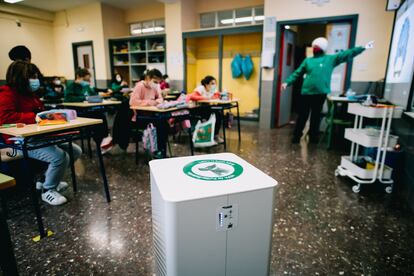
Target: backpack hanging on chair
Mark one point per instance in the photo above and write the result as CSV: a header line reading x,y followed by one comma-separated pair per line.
x,y
236,66
149,139
247,67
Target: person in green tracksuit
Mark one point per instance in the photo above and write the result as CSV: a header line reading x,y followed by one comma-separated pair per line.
x,y
317,72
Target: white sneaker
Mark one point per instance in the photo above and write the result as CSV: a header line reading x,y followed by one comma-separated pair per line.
x,y
53,198
219,140
60,187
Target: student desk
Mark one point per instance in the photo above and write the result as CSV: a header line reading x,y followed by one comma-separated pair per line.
x,y
85,108
33,137
152,113
222,105
7,260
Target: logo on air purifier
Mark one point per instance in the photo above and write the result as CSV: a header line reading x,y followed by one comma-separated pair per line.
x,y
212,170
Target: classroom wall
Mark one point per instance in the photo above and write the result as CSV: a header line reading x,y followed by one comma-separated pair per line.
x,y
174,43
114,25
79,24
374,23
36,32
245,90
144,12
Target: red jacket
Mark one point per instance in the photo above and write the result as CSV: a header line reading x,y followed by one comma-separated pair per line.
x,y
17,108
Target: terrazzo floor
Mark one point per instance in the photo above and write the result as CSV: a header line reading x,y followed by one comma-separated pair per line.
x,y
321,226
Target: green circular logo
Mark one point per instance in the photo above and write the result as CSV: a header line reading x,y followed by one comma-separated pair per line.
x,y
213,169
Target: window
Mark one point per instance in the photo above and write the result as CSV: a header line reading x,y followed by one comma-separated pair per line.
x,y
236,17
147,27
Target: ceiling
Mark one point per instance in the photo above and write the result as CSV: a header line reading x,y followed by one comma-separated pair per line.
x,y
58,5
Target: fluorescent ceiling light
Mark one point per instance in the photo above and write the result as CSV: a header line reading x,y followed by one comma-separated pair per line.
x,y
12,1
136,31
242,19
287,27
152,30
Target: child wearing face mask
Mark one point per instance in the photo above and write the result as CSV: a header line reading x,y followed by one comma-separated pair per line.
x,y
19,103
207,91
118,83
147,92
78,91
55,90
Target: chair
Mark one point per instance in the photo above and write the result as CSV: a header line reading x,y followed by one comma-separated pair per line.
x,y
7,261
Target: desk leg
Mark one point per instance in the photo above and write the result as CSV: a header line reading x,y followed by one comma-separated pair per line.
x,y
191,141
238,121
330,127
103,173
72,167
33,193
89,144
224,128
7,261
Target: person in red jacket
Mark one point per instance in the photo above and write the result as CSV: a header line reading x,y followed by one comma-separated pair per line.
x,y
20,104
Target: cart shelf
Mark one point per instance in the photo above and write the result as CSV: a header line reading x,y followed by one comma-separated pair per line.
x,y
373,112
368,137
361,173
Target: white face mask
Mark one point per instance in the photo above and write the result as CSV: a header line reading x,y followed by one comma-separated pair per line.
x,y
58,82
154,85
118,79
213,88
167,80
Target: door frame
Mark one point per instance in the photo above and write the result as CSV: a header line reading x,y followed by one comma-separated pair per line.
x,y
352,18
75,46
220,33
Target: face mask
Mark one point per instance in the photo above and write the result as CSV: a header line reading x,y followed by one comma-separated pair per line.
x,y
84,83
317,51
154,85
213,88
167,80
34,84
118,79
57,82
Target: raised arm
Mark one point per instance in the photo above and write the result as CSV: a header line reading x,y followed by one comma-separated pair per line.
x,y
347,55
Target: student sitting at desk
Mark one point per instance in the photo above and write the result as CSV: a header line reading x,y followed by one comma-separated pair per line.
x,y
54,90
19,104
208,91
78,91
117,85
148,93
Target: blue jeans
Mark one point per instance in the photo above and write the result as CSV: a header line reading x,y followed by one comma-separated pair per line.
x,y
58,159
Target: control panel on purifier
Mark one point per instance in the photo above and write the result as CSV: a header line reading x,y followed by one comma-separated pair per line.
x,y
227,217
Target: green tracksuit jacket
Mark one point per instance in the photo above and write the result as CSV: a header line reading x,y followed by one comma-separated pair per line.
x,y
77,93
318,70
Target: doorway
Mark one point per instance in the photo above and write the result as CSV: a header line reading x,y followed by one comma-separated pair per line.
x,y
83,58
294,42
212,52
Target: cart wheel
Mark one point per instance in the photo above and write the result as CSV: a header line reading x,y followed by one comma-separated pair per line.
x,y
356,188
336,172
388,189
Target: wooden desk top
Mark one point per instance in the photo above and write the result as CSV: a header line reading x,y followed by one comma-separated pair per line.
x,y
34,129
6,181
86,104
218,102
170,97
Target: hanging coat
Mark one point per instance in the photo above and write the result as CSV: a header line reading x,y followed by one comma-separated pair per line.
x,y
236,66
247,67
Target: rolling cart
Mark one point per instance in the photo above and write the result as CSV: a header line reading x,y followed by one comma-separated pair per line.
x,y
369,138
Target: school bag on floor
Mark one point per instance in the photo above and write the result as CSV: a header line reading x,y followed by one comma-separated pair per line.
x,y
149,139
203,135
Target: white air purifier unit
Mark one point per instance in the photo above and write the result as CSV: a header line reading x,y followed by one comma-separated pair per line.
x,y
212,215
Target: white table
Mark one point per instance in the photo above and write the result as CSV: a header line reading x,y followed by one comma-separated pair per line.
x,y
212,215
